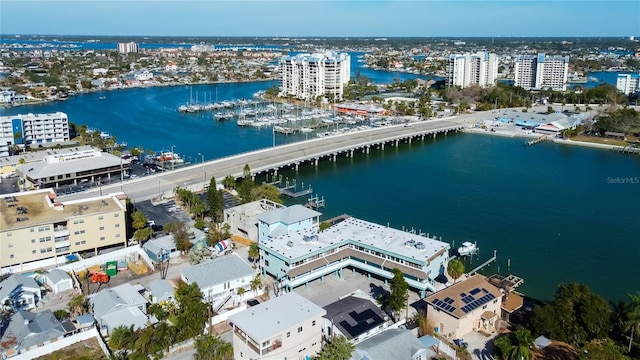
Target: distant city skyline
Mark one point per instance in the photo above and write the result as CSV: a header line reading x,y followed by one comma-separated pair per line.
x,y
322,18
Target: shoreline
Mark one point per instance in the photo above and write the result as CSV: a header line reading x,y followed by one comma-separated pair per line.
x,y
537,135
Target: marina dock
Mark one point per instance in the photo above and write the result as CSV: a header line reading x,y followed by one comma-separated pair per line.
x,y
627,149
538,140
479,267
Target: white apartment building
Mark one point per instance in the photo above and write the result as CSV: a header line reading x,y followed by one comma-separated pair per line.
x,y
307,76
125,48
541,72
472,69
628,83
32,129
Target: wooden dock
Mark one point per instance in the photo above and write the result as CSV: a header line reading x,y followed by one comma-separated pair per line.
x,y
535,141
627,149
337,219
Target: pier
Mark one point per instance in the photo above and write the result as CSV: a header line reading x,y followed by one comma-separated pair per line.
x,y
538,140
629,149
315,203
479,267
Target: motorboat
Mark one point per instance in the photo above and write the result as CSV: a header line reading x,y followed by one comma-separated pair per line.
x,y
467,248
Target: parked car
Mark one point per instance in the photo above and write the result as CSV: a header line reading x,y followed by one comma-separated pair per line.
x,y
253,302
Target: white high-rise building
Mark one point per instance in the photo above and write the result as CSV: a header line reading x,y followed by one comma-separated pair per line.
x,y
125,48
541,72
32,129
628,83
307,76
472,69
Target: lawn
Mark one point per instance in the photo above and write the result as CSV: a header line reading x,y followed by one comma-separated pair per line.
x,y
84,350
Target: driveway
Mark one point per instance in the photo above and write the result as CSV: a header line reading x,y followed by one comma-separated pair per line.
x,y
480,346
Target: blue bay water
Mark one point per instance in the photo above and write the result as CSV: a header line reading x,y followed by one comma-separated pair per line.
x,y
552,209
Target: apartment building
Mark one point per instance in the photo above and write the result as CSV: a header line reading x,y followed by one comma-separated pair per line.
x,y
472,69
130,47
541,72
32,129
628,83
298,253
36,225
286,327
307,76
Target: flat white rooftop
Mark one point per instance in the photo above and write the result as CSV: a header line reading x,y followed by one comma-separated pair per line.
x,y
389,240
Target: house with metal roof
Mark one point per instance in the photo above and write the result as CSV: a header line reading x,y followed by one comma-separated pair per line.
x,y
160,249
300,256
27,330
20,292
397,344
469,305
285,327
219,279
58,280
285,220
122,305
355,318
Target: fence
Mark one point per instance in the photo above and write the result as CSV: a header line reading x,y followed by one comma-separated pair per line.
x,y
448,350
60,343
102,259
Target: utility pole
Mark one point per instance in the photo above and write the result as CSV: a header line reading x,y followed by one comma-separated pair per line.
x,y
203,173
173,157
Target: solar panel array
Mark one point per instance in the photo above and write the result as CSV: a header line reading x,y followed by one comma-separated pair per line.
x,y
443,305
472,305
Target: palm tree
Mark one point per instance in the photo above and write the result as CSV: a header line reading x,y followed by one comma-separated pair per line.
x,y
521,345
76,305
455,269
254,251
634,315
256,283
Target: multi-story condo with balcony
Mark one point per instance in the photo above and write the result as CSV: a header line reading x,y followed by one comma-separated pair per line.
x,y
472,69
32,129
307,76
541,72
294,252
628,83
36,225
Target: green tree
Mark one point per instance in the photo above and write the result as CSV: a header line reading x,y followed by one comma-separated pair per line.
x,y
455,269
575,315
246,186
61,314
215,200
634,316
142,235
229,182
502,347
521,345
256,284
339,348
254,251
180,235
76,305
604,349
120,339
324,225
212,348
266,191
396,300
192,313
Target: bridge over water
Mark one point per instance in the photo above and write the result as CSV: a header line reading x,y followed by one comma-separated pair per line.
x,y
271,160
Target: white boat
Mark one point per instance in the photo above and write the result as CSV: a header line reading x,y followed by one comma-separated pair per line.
x,y
467,248
306,130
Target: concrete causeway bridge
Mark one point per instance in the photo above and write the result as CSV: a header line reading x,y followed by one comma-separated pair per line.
x,y
271,160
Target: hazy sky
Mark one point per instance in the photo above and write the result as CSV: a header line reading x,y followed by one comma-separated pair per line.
x,y
322,18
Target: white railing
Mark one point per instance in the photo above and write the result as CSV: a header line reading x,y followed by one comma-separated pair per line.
x,y
448,350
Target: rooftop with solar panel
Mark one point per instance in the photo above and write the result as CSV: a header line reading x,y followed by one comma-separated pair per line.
x,y
465,296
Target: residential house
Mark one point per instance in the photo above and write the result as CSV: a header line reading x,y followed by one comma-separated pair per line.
x,y
59,281
122,305
397,344
20,292
473,304
286,327
355,318
27,330
219,279
160,249
161,291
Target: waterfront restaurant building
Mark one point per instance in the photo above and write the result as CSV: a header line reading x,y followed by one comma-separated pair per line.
x,y
63,168
299,256
307,76
36,225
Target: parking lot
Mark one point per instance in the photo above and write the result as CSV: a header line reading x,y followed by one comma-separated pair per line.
x,y
163,213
